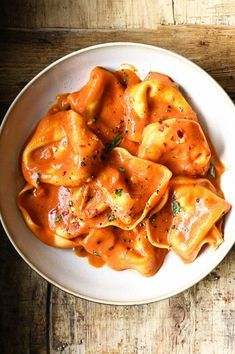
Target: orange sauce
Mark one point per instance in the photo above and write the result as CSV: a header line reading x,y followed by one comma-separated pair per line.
x,y
96,183
61,104
95,261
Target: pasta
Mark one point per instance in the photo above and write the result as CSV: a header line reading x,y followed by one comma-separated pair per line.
x,y
179,139
121,172
188,219
59,151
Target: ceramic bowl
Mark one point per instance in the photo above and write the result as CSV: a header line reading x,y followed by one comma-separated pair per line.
x,y
62,267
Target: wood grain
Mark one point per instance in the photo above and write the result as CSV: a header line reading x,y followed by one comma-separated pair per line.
x,y
121,14
28,52
217,12
38,318
198,321
86,13
23,304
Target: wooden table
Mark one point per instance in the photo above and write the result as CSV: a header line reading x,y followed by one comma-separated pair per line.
x,y
36,317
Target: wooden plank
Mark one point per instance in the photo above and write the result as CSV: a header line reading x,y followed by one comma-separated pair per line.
x,y
217,12
83,327
86,13
23,304
215,310
198,321
121,14
210,47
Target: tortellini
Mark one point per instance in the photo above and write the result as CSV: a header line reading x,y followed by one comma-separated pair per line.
x,y
122,172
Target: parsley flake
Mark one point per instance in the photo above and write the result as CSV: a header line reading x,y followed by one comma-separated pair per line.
x,y
111,217
122,169
38,179
95,119
114,142
176,207
118,192
153,218
212,170
58,218
89,197
95,253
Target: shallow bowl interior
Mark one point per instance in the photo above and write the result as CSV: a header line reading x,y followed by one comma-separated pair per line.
x,y
62,267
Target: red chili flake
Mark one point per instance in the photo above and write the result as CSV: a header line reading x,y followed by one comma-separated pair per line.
x,y
53,211
180,134
76,224
87,212
96,211
65,212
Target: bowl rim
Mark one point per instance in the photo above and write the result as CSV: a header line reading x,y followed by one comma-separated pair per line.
x,y
30,264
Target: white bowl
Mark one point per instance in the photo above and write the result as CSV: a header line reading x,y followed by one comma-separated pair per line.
x,y
61,267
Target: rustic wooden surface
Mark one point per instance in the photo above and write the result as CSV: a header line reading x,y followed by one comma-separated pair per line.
x,y
36,317
119,14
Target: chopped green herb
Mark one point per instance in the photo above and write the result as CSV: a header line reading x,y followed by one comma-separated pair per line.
x,y
111,217
153,217
176,207
212,170
114,142
118,192
95,119
122,169
95,253
82,164
89,198
58,218
111,248
70,203
38,179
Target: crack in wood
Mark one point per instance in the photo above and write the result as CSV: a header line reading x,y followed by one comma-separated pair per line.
x,y
173,11
48,318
